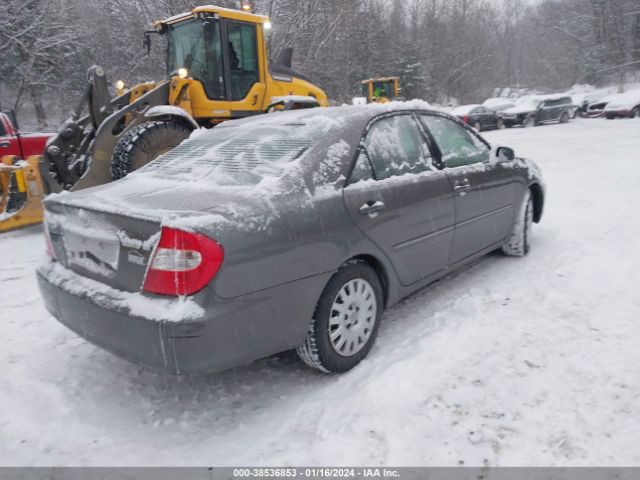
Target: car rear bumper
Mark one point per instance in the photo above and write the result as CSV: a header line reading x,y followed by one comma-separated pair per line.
x,y
230,333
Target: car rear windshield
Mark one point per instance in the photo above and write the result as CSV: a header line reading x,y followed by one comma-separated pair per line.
x,y
235,156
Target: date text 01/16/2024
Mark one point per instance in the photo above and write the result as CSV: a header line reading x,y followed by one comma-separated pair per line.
x,y
318,472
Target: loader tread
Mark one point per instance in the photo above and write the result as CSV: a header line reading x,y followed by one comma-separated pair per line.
x,y
144,143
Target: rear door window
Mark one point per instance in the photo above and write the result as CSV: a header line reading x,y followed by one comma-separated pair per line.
x,y
2,130
362,170
396,147
457,144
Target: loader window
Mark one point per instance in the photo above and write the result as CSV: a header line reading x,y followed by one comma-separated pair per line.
x,y
196,46
383,90
243,58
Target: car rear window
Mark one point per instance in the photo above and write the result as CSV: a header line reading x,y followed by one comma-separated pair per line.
x,y
235,156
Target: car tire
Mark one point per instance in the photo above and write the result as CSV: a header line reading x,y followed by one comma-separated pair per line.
x,y
477,126
565,117
145,143
519,242
529,122
610,117
340,335
635,113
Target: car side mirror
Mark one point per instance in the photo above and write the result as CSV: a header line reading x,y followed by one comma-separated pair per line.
x,y
505,154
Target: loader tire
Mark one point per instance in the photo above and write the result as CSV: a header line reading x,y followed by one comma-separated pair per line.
x,y
145,143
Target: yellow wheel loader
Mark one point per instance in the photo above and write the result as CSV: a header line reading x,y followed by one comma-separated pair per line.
x,y
382,89
217,68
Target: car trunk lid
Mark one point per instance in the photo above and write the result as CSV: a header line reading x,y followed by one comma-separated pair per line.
x,y
107,247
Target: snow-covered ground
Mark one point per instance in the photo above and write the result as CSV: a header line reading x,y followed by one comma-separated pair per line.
x,y
532,361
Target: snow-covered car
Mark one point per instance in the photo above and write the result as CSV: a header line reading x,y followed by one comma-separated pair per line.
x,y
597,107
292,230
583,100
539,109
478,116
623,105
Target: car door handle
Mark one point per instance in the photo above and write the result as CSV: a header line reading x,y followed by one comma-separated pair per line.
x,y
463,184
4,144
461,187
371,207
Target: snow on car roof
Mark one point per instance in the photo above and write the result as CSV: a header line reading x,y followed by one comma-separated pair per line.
x,y
497,102
464,109
345,112
552,96
623,100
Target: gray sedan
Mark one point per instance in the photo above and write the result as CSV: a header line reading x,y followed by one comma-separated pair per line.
x,y
291,230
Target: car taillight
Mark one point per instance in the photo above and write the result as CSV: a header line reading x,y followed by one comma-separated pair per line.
x,y
183,263
465,119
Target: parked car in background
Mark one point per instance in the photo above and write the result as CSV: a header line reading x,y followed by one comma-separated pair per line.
x,y
539,109
624,105
20,144
499,104
478,116
292,230
597,107
584,99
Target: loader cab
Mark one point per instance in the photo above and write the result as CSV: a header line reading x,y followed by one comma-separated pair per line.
x,y
381,90
217,63
221,54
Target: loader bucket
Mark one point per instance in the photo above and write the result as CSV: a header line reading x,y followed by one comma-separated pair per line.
x,y
21,193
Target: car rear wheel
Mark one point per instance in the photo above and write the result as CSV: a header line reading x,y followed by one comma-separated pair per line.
x,y
565,117
530,121
346,320
500,124
520,240
477,126
636,112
